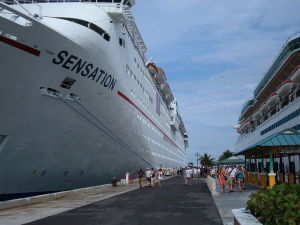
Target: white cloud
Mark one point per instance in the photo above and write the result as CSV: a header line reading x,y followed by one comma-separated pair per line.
x,y
215,53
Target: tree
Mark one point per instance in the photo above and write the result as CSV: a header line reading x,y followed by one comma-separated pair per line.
x,y
225,155
206,160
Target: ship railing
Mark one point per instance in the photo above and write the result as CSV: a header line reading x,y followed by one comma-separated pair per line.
x,y
15,2
278,60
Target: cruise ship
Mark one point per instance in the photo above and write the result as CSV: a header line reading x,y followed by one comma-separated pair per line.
x,y
273,109
80,101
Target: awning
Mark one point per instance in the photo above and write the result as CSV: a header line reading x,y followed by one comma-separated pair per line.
x,y
287,137
232,160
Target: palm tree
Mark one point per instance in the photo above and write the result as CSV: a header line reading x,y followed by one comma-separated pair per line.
x,y
206,160
225,155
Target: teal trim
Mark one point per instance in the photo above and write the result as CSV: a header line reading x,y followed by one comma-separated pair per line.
x,y
271,161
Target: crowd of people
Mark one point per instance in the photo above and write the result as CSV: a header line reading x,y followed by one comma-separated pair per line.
x,y
153,176
226,175
231,175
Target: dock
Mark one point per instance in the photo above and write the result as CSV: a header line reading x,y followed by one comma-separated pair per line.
x,y
171,204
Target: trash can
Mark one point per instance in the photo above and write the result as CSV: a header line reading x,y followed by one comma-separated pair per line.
x,y
114,182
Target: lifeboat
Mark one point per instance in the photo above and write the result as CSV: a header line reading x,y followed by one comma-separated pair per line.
x,y
273,100
257,115
285,88
169,98
245,126
165,88
265,108
295,77
152,68
160,76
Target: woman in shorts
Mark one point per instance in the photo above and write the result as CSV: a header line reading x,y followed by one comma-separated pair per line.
x,y
240,178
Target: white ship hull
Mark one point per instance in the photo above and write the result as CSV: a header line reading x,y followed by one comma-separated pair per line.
x,y
54,143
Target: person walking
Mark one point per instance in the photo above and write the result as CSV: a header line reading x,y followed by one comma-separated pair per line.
x,y
232,174
222,179
240,178
160,176
148,177
152,177
188,177
141,175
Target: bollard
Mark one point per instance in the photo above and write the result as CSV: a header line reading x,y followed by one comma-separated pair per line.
x,y
114,182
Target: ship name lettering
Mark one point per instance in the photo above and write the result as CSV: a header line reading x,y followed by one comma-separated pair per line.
x,y
85,69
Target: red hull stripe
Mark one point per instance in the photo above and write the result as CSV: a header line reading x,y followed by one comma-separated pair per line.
x,y
21,46
144,114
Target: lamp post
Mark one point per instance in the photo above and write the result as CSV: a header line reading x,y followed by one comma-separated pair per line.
x,y
197,155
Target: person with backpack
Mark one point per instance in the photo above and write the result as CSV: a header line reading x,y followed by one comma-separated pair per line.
x,y
141,175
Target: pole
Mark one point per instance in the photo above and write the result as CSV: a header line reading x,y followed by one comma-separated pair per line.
x,y
197,155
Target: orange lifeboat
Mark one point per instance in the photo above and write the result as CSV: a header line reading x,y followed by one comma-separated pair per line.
x,y
165,88
273,100
169,98
160,76
295,77
152,68
285,88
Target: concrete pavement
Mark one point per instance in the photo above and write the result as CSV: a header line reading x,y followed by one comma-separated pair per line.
x,y
232,200
171,204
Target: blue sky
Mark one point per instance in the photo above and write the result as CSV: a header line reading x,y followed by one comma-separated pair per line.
x,y
214,53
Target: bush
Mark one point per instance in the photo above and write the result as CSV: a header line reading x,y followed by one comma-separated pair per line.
x,y
280,205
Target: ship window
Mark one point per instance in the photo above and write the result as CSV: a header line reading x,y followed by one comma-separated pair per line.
x,y
122,42
67,83
89,25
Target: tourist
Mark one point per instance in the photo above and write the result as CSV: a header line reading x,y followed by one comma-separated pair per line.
x,y
160,176
232,174
141,175
152,177
222,179
148,177
188,177
240,178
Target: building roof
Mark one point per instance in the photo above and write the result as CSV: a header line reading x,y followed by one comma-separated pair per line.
x,y
287,137
232,160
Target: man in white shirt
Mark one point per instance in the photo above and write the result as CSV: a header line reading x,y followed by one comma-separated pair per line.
x,y
232,173
148,176
188,177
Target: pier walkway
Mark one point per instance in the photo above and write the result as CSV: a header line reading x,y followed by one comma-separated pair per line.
x,y
232,200
171,204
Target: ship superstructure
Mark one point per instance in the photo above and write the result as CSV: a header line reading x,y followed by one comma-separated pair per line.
x,y
81,103
275,106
